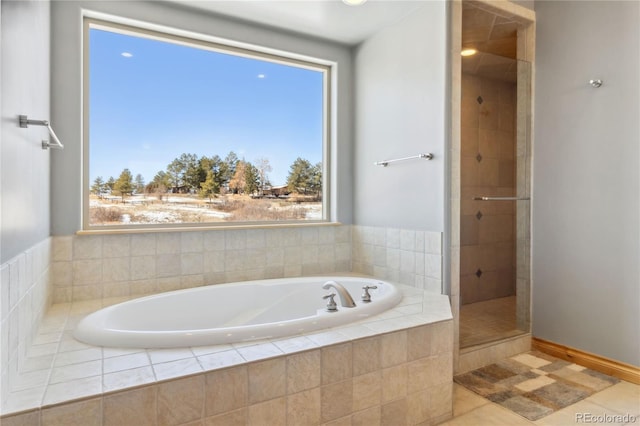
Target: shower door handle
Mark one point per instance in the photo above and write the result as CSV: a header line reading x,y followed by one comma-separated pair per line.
x,y
501,198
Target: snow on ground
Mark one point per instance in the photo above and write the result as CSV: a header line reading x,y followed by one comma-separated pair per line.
x,y
140,209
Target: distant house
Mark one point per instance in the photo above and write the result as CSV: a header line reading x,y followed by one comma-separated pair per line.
x,y
277,191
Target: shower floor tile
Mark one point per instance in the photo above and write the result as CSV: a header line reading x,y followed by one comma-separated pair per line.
x,y
488,321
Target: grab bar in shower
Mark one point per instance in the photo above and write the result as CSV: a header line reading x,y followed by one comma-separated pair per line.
x,y
385,163
24,123
501,198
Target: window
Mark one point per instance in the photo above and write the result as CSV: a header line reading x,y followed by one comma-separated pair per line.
x,y
186,131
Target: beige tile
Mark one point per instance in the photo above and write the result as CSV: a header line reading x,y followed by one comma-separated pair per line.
x,y
366,356
31,418
143,244
267,380
66,391
369,417
272,413
336,363
303,371
393,349
394,381
169,243
76,371
87,271
132,407
418,342
158,356
623,397
336,400
83,413
394,413
464,400
441,400
61,249
217,360
583,412
128,378
442,337
232,418
418,408
367,390
179,368
344,421
303,408
194,423
226,390
116,269
125,362
426,372
87,247
116,246
180,401
489,414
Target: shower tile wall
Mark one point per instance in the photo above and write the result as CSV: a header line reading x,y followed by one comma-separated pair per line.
x,y
488,168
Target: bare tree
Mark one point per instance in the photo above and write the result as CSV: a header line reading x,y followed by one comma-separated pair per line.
x,y
264,167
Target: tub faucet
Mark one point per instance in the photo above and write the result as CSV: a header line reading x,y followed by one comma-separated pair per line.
x,y
345,298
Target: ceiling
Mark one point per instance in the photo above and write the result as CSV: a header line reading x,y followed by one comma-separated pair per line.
x,y
328,19
496,40
488,33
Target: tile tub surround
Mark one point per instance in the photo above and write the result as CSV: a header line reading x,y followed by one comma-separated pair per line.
x,y
334,374
402,255
90,267
24,283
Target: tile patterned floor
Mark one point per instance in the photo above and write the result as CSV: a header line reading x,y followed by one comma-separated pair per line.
x,y
617,404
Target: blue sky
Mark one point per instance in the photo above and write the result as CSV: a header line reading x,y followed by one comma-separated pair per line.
x,y
151,101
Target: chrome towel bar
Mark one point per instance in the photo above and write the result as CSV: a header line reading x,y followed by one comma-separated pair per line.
x,y
24,123
501,198
385,163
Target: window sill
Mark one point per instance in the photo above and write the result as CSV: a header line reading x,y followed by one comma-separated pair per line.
x,y
146,230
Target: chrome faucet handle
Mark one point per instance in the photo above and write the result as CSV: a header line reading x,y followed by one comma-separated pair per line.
x,y
366,297
331,304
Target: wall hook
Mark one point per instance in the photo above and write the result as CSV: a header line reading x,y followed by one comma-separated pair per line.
x,y
595,83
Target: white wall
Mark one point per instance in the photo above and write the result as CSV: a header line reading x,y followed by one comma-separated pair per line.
x,y
24,176
400,88
586,278
67,96
24,181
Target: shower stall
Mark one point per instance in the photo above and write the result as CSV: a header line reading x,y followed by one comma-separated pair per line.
x,y
494,180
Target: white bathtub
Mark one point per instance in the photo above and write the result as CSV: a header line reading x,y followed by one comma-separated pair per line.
x,y
228,313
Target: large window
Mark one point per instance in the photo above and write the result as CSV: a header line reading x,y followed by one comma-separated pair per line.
x,y
186,131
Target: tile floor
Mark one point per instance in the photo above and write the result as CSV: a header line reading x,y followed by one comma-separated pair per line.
x,y
488,321
616,405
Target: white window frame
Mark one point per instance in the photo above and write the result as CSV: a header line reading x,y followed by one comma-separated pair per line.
x,y
215,44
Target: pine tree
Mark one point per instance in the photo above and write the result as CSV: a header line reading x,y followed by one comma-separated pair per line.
x,y
124,185
98,186
209,187
139,184
251,179
300,173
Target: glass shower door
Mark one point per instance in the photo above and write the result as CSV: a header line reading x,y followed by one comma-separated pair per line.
x,y
495,204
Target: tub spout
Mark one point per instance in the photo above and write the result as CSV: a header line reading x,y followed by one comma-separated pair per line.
x,y
345,298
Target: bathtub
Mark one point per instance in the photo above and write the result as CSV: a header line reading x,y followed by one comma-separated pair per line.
x,y
228,313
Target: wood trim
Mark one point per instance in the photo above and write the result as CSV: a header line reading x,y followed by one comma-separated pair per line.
x,y
618,369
